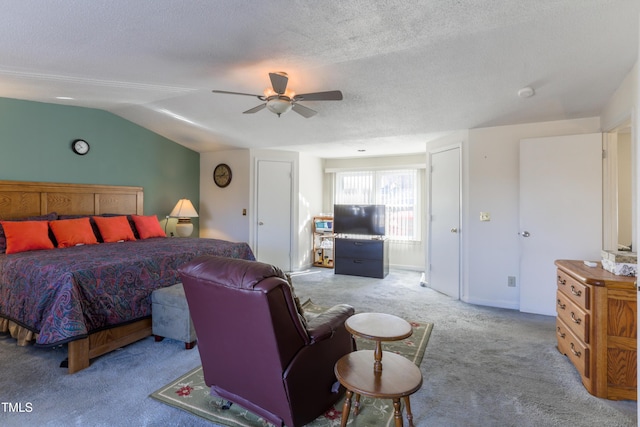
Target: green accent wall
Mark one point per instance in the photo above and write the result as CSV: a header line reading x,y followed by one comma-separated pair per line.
x,y
35,145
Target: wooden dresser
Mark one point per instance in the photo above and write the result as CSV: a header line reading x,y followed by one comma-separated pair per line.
x,y
597,329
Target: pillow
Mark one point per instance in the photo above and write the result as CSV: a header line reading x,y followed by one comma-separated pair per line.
x,y
94,227
131,223
25,236
114,228
73,232
3,240
148,226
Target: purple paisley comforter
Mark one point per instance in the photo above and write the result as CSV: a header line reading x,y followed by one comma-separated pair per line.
x,y
65,294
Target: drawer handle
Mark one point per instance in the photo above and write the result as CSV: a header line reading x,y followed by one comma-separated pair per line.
x,y
576,293
560,333
575,352
561,305
576,320
357,244
561,280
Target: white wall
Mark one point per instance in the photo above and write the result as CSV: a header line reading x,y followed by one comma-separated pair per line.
x,y
221,209
310,196
491,249
623,102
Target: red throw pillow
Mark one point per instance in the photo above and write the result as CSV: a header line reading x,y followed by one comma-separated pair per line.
x,y
73,232
26,236
148,226
114,228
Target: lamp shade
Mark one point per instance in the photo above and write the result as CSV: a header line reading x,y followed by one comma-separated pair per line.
x,y
184,210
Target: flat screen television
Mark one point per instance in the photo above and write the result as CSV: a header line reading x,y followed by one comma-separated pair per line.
x,y
359,219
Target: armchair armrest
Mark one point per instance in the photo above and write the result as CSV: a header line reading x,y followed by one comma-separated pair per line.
x,y
322,326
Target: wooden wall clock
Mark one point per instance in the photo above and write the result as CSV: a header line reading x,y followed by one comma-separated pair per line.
x,y
222,175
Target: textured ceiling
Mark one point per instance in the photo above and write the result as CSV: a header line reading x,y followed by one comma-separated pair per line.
x,y
409,70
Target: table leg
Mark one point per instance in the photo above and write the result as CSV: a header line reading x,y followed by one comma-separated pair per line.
x,y
346,408
407,404
397,412
356,406
377,355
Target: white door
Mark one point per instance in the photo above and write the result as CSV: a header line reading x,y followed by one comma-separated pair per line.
x,y
443,265
273,213
560,212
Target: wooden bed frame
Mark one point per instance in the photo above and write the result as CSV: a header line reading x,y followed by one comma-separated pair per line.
x,y
20,199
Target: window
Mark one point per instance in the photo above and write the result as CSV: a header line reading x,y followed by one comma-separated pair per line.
x,y
396,189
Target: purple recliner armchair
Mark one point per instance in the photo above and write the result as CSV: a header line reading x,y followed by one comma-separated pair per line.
x,y
257,349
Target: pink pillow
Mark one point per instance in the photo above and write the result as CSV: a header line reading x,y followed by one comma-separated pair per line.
x,y
73,232
25,236
148,226
114,228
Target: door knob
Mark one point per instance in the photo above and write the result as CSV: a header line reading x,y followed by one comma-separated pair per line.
x,y
525,234
261,223
454,230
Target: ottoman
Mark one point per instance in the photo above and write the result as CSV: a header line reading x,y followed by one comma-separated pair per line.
x,y
170,316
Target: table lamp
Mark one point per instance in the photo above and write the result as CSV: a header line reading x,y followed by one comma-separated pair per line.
x,y
184,211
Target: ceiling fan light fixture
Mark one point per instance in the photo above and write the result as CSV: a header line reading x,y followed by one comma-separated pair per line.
x,y
279,99
279,105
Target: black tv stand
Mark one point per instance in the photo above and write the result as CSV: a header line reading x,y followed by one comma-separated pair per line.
x,y
367,257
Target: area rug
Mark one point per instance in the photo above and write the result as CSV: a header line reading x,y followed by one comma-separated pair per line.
x,y
190,393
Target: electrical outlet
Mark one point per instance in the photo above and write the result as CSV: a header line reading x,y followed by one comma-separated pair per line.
x,y
511,281
485,216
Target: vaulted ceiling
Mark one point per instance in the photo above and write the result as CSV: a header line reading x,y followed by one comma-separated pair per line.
x,y
409,70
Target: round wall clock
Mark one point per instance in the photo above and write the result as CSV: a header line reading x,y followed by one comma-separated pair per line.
x,y
222,175
80,147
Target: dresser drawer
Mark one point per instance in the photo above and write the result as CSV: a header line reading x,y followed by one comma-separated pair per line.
x,y
573,316
359,248
359,267
575,290
573,348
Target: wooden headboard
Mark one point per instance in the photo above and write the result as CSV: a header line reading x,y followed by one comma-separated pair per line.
x,y
23,198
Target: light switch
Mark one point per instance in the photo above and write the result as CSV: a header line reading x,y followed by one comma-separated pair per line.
x,y
485,216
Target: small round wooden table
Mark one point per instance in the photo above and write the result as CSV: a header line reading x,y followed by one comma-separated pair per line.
x,y
379,327
399,379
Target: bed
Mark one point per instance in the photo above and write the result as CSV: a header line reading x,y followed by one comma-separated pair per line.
x,y
93,298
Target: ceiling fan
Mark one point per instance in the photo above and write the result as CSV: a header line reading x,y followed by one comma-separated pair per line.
x,y
279,100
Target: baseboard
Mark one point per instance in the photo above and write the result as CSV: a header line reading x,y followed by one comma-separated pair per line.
x,y
492,303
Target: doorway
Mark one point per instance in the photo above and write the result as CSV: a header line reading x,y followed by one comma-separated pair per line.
x,y
619,189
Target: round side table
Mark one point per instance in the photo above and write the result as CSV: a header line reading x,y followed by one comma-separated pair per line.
x,y
378,327
399,379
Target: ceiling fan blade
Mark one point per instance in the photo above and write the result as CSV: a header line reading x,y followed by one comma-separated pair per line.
x,y
279,82
235,93
304,111
331,95
255,109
